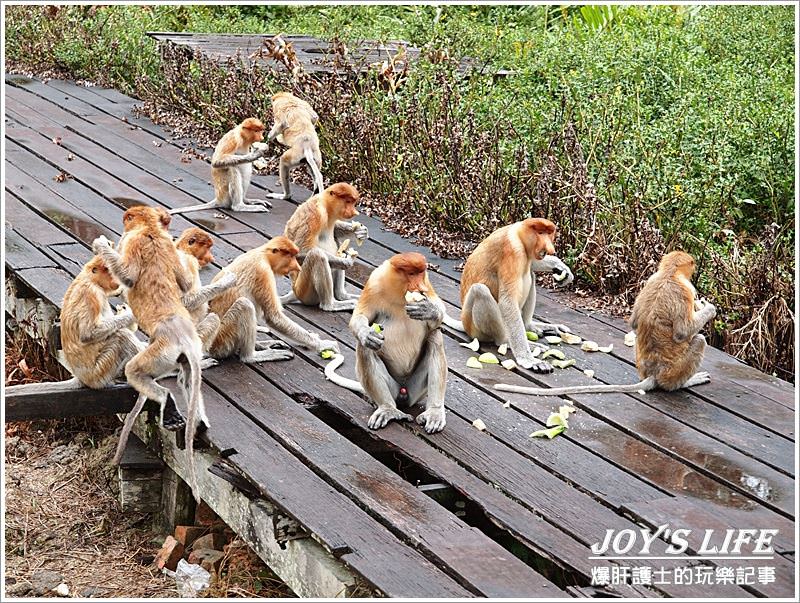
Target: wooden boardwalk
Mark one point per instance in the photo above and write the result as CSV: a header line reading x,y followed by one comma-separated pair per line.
x,y
399,512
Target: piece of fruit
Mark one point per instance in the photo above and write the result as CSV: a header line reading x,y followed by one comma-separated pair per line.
x,y
566,410
589,373
472,345
548,433
502,349
377,328
590,346
531,336
562,364
553,339
343,247
479,425
606,349
555,353
570,338
536,351
508,364
414,297
560,277
556,419
472,362
326,354
488,358
356,226
630,339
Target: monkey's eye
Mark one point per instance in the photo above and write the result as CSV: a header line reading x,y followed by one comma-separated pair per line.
x,y
192,241
94,270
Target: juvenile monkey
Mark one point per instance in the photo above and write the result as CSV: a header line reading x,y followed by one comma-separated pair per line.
x,y
498,290
255,282
317,227
406,360
96,343
150,268
294,127
235,332
232,170
669,346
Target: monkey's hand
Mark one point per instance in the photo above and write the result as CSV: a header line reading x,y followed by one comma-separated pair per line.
x,y
424,310
563,277
362,233
381,417
433,419
370,338
100,244
328,344
227,280
123,310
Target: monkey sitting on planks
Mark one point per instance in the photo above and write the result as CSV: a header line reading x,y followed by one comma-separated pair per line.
x,y
498,287
235,332
255,282
150,268
317,227
96,343
294,127
405,360
232,170
669,346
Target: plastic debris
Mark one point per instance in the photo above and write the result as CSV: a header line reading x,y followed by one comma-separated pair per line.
x,y
190,579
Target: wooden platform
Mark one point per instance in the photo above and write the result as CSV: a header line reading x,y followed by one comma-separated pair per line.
x,y
315,54
399,512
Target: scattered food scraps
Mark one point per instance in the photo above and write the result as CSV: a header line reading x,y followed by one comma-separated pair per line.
x,y
488,358
473,362
556,353
502,349
630,339
479,425
548,433
590,346
508,364
531,336
553,339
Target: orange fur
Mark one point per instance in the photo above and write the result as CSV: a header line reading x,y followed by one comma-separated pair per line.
x,y
319,214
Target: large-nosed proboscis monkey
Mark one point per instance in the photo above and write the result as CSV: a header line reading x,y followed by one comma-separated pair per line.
x,y
294,121
235,331
97,343
255,273
669,346
404,359
498,289
232,170
151,270
317,227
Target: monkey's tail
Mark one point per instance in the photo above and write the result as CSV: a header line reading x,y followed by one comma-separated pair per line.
x,y
44,388
195,405
331,375
126,428
645,385
309,155
453,323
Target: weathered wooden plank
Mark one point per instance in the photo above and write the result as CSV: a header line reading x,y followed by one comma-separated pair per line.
x,y
29,224
20,253
85,402
479,561
49,283
334,520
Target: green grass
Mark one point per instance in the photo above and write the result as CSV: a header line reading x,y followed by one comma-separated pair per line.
x,y
638,130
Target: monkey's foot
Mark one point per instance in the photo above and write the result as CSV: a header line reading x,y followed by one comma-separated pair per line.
x,y
535,365
433,419
546,327
698,379
269,356
207,363
381,417
281,196
171,417
272,344
251,208
345,305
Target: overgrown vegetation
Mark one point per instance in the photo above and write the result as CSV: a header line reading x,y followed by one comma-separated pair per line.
x,y
636,129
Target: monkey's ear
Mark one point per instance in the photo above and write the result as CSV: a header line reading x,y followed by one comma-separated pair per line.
x,y
165,218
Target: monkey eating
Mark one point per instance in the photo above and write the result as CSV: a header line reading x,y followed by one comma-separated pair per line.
x,y
255,284
232,170
317,227
669,346
235,331
97,343
406,359
498,288
150,268
294,127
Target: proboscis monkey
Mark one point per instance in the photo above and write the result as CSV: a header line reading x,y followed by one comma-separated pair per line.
x,y
235,332
669,346
294,127
405,360
150,268
498,289
96,343
255,273
232,170
317,227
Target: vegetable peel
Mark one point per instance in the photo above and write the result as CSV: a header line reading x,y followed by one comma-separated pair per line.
x,y
548,433
472,362
472,345
488,358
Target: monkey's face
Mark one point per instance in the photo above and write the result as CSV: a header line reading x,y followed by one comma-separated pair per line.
x,y
284,262
102,277
142,215
539,236
197,243
253,130
412,268
345,198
